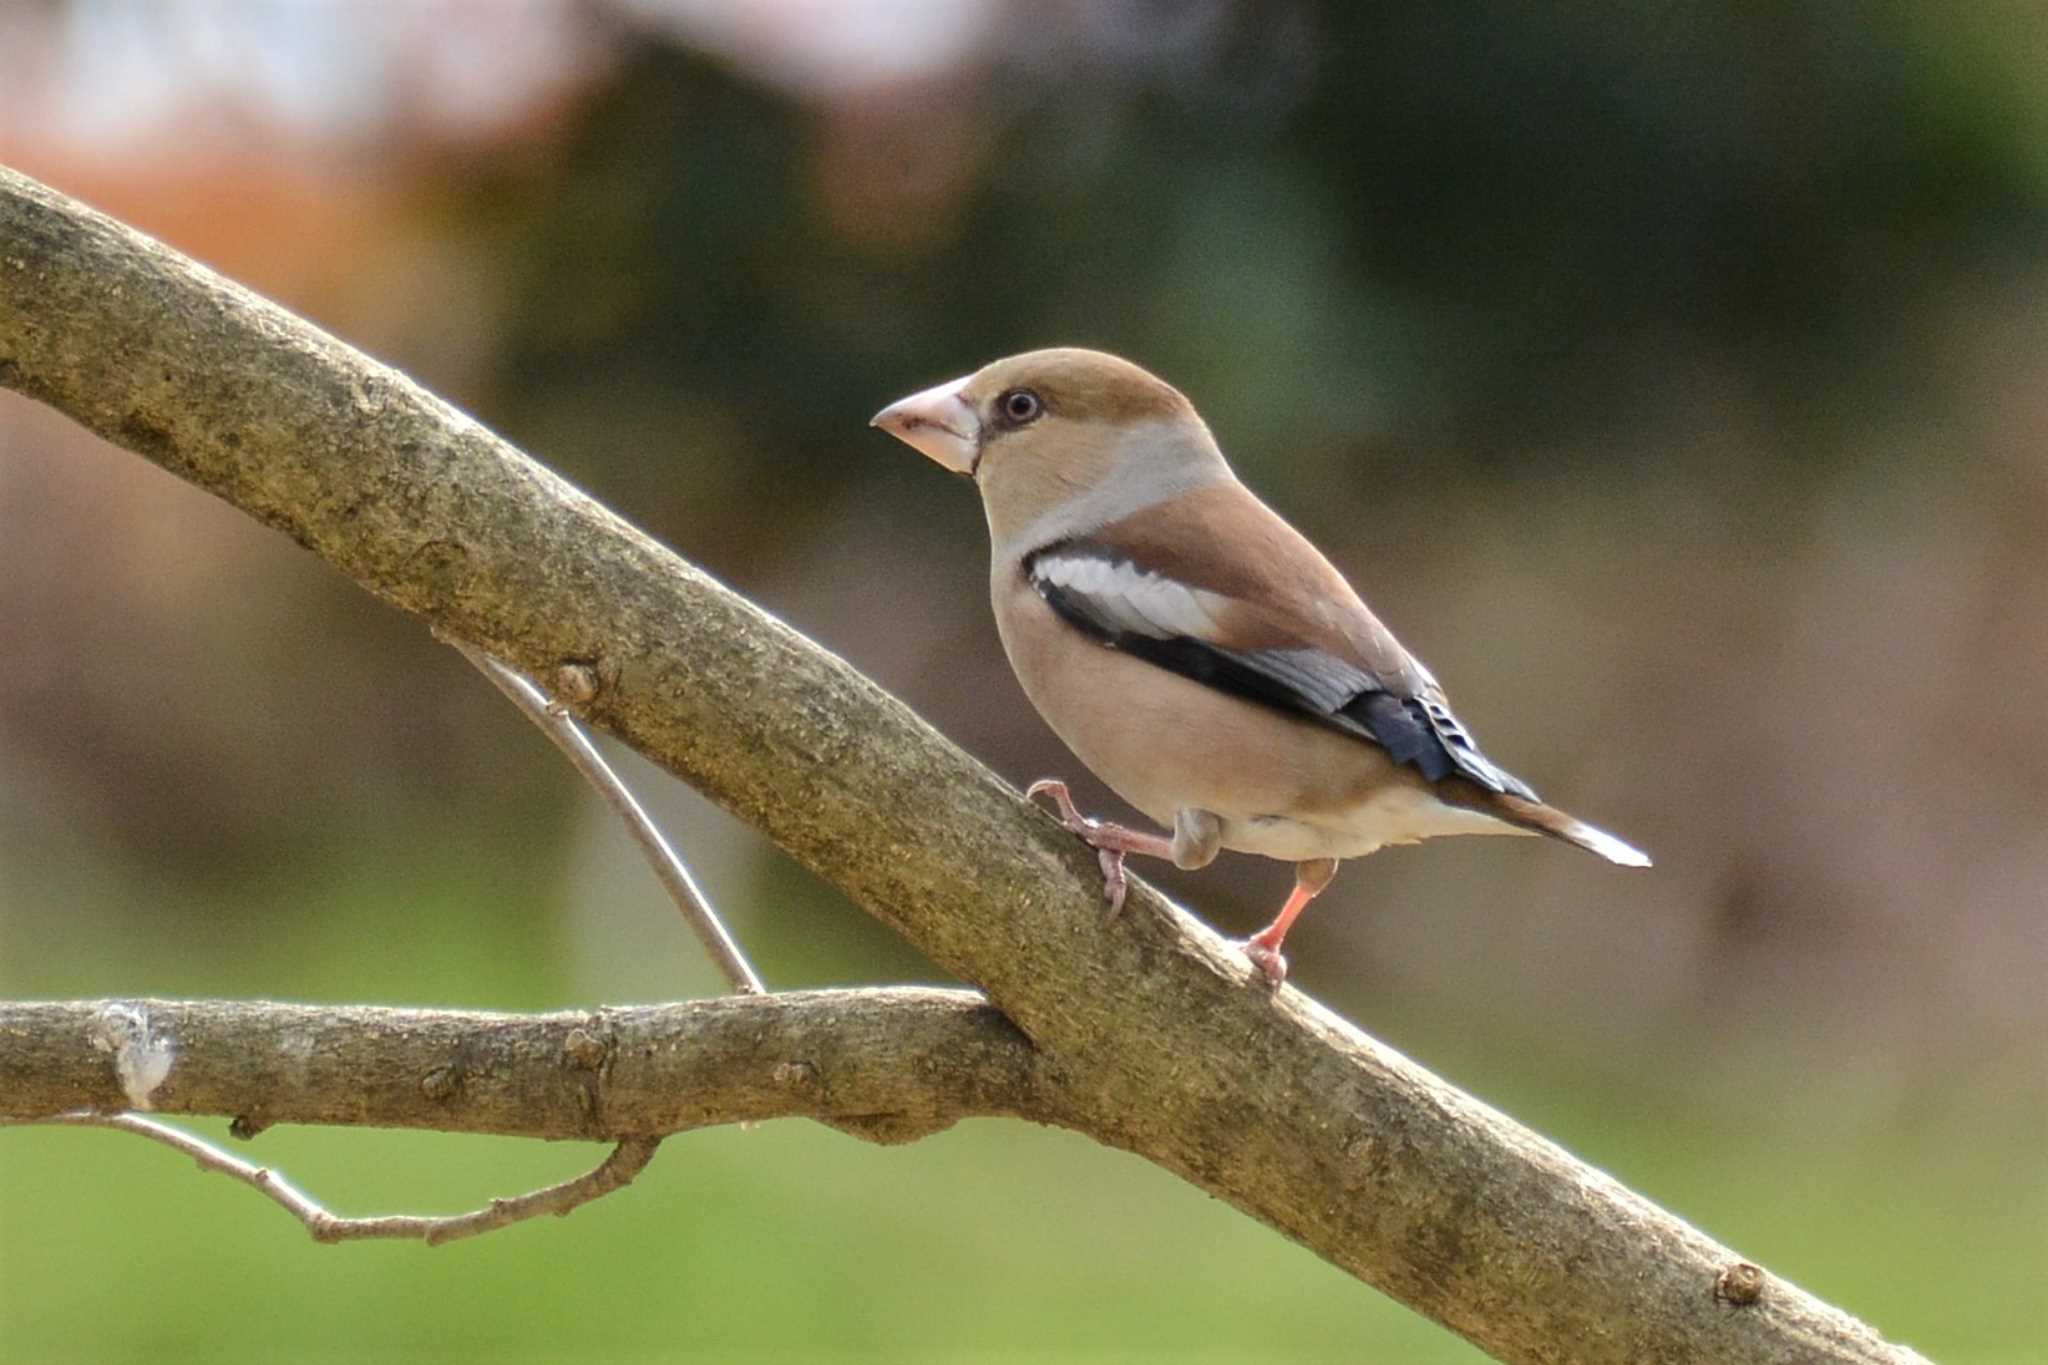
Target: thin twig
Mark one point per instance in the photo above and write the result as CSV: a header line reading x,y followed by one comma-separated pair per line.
x,y
615,1172
627,1159
669,868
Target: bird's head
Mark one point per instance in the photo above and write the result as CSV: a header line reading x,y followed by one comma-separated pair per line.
x,y
1060,440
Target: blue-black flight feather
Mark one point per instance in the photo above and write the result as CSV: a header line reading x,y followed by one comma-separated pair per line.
x,y
1416,730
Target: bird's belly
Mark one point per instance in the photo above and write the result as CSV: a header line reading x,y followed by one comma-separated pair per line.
x,y
1283,785
1396,814
1295,841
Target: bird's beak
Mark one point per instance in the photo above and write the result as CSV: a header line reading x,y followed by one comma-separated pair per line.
x,y
938,422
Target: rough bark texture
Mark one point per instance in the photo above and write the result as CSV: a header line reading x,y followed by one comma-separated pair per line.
x,y
1147,1034
890,1064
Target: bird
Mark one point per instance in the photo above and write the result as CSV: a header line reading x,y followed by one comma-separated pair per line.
x,y
1195,651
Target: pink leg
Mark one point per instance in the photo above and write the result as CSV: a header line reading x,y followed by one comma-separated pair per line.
x,y
1263,948
1110,842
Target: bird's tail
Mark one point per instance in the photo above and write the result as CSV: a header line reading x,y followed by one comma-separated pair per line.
x,y
1534,815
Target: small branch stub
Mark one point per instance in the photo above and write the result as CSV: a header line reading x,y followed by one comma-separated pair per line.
x,y
576,683
583,1050
1741,1284
441,1083
795,1075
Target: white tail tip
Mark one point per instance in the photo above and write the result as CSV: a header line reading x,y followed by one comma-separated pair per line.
x,y
1607,846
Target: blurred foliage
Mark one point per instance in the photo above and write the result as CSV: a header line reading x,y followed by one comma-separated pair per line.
x,y
1455,232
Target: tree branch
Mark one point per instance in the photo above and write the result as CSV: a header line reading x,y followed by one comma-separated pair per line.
x,y
668,868
614,1173
1146,1028
891,1064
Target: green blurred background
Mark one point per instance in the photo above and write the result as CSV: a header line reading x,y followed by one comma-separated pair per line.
x,y
1673,377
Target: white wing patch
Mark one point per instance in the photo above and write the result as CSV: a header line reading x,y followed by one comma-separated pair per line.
x,y
1126,598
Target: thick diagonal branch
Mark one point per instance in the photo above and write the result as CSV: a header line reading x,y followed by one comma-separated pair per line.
x,y
1145,1026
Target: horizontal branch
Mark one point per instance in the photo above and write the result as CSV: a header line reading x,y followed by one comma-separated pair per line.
x,y
887,1064
1145,1026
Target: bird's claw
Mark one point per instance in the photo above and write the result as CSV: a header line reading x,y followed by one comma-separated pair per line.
x,y
1115,886
1070,815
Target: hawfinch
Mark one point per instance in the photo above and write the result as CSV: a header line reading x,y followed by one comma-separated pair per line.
x,y
1193,649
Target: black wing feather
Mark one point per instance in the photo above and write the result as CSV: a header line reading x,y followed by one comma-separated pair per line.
x,y
1420,731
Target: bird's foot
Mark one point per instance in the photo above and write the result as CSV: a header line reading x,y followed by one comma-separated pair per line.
x,y
1268,960
1110,842
1263,948
1115,885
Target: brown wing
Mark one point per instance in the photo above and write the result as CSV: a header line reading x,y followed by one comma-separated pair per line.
x,y
1246,605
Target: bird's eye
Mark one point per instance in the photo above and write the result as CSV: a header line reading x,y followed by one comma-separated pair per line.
x,y
1019,406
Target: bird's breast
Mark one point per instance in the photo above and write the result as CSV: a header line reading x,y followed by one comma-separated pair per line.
x,y
1283,785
